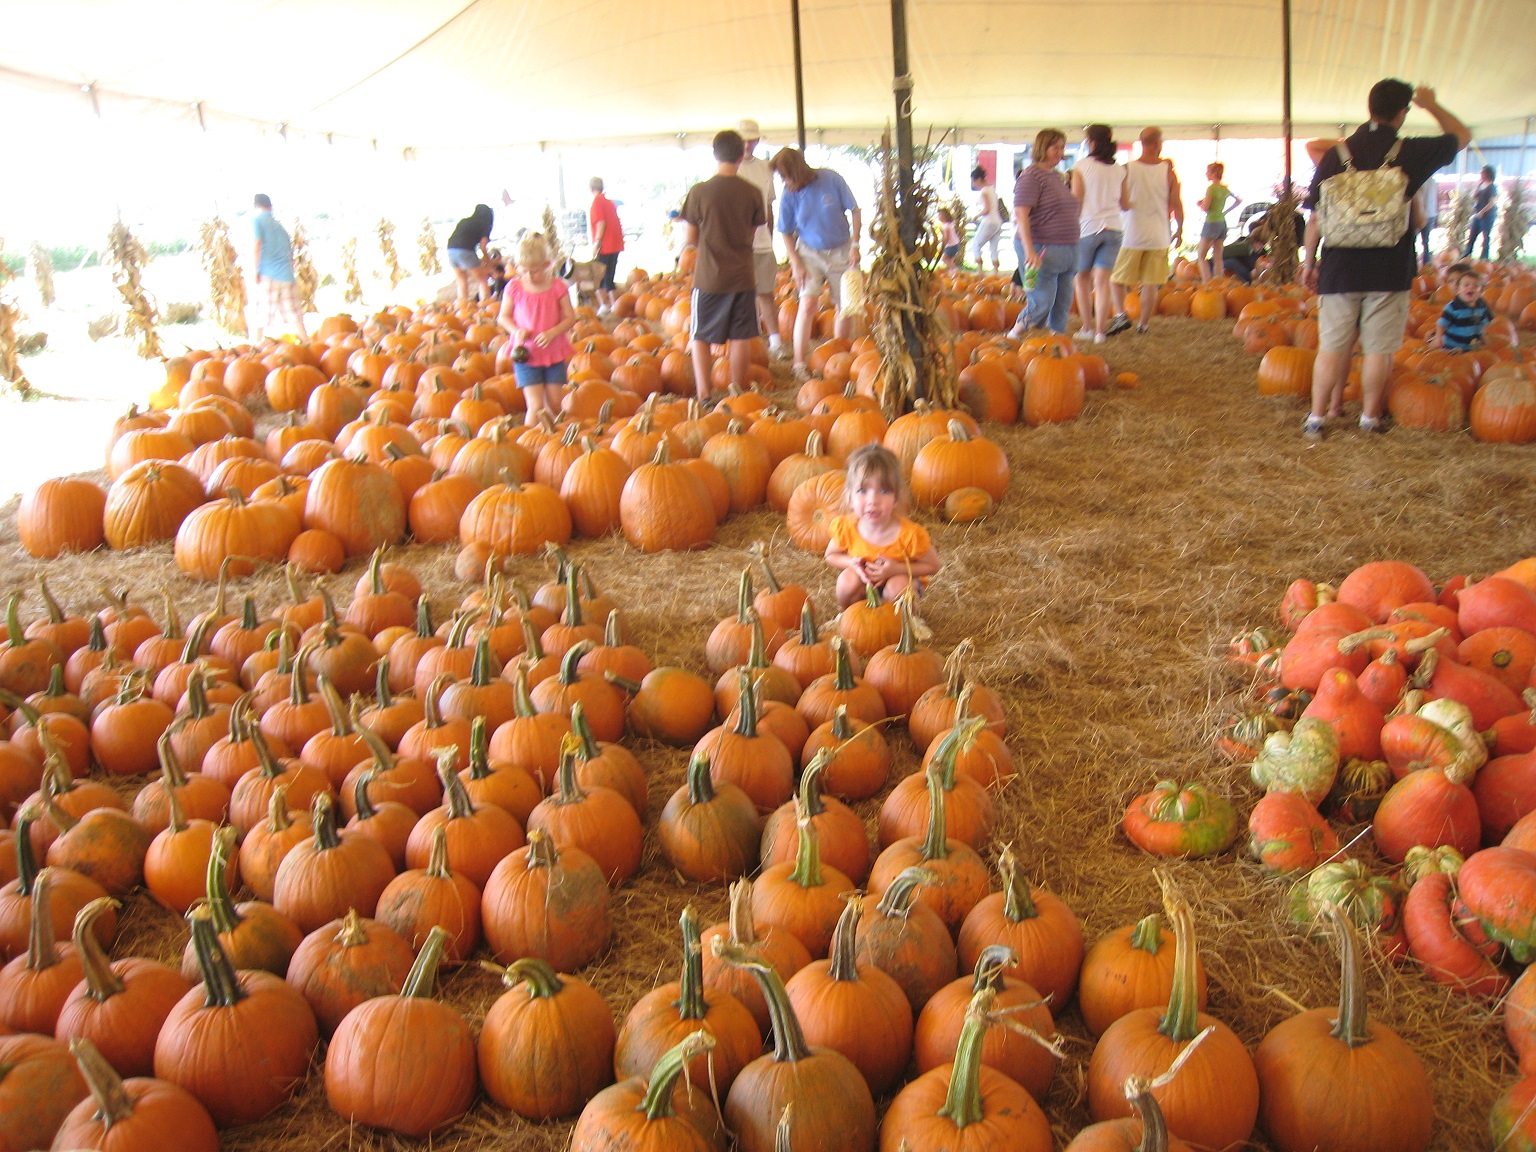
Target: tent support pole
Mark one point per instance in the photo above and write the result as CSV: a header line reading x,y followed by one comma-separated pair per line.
x,y
1524,140
794,21
1285,42
902,86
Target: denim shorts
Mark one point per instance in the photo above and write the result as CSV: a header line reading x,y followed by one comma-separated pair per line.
x,y
464,259
1098,250
1213,230
528,375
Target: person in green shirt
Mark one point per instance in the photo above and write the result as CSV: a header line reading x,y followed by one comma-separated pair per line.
x,y
1217,202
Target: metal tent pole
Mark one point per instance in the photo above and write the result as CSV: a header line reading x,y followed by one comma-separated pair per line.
x,y
794,17
1285,41
901,84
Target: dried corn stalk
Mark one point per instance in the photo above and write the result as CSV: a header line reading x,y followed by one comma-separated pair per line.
x,y
963,227
128,258
354,289
1277,234
552,235
909,332
1514,222
430,264
305,280
386,232
42,272
1458,225
226,285
10,317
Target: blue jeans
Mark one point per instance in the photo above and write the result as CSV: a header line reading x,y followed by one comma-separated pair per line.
x,y
1483,228
1049,301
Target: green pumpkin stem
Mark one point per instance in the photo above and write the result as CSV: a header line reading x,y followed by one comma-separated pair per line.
x,y
951,743
50,605
26,857
383,696
101,983
522,700
364,802
963,1105
13,629
582,730
221,987
842,666
341,724
898,899
744,597
844,954
425,629
657,1103
789,1044
533,646
746,705
690,995
298,680
572,617
1148,934
807,625
992,967
774,587
569,672
810,785
757,651
1352,1026
480,673
198,707
907,645
223,914
807,872
543,981
1018,904
567,788
1180,1022
936,842
479,750
701,785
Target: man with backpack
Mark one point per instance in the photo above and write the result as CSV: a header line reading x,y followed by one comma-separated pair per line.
x,y
1361,202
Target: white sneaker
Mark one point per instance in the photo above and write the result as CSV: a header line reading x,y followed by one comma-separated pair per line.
x,y
1083,335
1099,338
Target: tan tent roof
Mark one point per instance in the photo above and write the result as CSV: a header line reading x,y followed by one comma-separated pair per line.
x,y
490,73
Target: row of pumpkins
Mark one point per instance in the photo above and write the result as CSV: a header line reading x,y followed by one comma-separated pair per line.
x,y
1491,390
443,774
411,425
1390,702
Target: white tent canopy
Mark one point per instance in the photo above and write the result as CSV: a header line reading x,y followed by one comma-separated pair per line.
x,y
471,74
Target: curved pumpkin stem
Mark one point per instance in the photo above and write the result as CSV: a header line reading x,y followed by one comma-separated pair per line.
x,y
113,1104
1180,1021
42,945
807,625
952,742
221,908
810,785
992,967
789,1044
842,667
542,852
898,899
322,815
701,785
746,706
456,797
657,1104
542,980
422,978
1017,903
567,789
807,871
1154,1127
1351,1027
690,998
221,987
963,1105
936,842
844,954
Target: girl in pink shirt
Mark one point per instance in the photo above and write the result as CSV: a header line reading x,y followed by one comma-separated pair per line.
x,y
536,311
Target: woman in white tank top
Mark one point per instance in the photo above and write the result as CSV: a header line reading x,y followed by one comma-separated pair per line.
x,y
1099,185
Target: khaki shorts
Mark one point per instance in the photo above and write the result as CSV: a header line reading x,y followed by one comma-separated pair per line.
x,y
1140,266
1380,319
765,266
825,267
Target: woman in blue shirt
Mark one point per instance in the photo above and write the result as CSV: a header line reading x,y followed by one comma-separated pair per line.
x,y
814,219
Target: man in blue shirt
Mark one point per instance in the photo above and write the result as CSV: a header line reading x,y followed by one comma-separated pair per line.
x,y
275,296
814,221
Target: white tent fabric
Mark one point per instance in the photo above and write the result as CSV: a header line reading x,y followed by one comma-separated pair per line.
x,y
470,74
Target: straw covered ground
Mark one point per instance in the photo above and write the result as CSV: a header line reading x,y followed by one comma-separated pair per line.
x,y
1100,597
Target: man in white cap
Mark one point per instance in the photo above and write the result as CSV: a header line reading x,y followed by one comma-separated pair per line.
x,y
765,264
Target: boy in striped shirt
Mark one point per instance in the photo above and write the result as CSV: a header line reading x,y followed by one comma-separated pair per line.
x,y
1462,323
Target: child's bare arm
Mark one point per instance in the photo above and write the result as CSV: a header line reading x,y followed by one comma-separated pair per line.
x,y
926,564
837,557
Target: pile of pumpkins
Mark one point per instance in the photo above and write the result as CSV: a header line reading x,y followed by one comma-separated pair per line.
x,y
1392,702
1491,390
477,797
409,426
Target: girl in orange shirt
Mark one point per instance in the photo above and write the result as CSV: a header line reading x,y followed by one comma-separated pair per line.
x,y
875,545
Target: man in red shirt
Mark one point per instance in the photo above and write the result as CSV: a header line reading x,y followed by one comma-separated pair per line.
x,y
607,241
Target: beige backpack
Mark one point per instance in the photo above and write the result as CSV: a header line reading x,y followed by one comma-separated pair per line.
x,y
1364,208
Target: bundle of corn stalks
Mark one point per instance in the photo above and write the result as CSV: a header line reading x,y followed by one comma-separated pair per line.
x,y
1458,225
42,272
305,280
1277,234
552,235
10,352
226,285
354,289
1514,221
430,264
128,258
963,228
386,232
910,334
